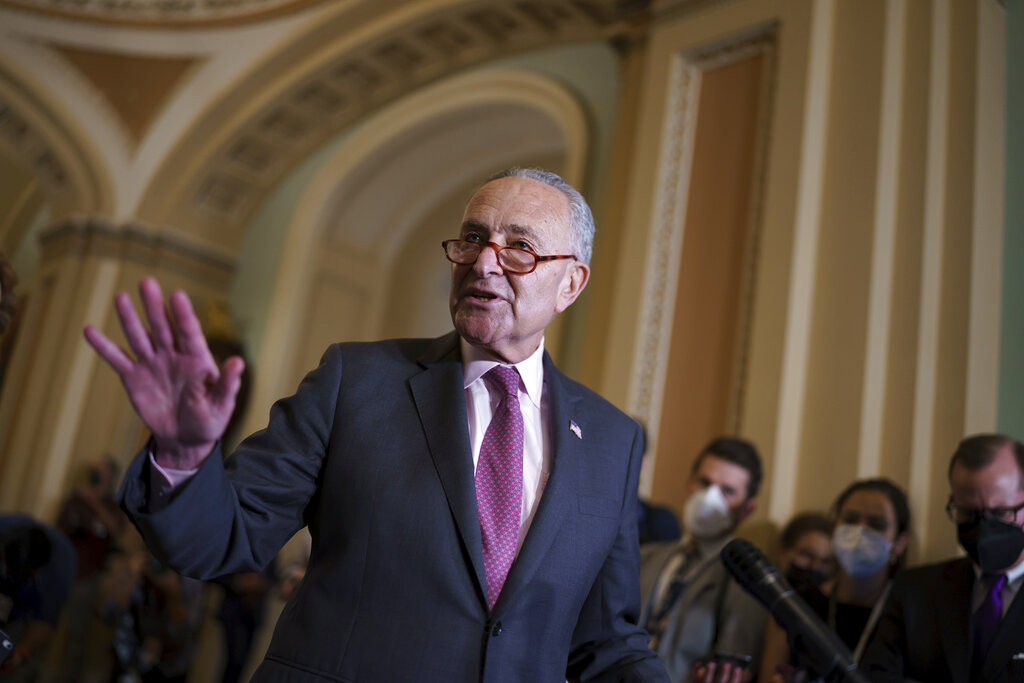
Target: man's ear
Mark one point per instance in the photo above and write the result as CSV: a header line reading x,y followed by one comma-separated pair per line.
x,y
572,284
747,509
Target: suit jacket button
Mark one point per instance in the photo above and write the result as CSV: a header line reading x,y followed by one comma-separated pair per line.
x,y
496,631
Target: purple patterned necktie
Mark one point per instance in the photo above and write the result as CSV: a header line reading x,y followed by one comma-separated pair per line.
x,y
499,481
988,616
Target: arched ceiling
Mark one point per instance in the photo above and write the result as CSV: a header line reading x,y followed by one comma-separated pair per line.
x,y
192,122
193,13
269,124
408,161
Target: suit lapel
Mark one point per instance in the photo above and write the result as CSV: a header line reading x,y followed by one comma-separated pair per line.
x,y
955,621
559,498
1008,643
441,403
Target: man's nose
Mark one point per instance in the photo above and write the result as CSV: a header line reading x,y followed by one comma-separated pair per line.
x,y
487,262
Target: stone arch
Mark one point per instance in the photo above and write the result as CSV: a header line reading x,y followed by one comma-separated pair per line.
x,y
329,79
45,139
349,251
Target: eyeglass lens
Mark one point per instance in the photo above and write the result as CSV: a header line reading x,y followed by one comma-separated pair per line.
x,y
510,258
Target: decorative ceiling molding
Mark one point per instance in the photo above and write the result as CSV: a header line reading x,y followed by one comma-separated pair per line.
x,y
163,13
145,245
214,183
137,88
28,143
59,164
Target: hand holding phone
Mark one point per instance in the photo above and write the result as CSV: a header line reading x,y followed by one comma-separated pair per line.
x,y
6,647
723,667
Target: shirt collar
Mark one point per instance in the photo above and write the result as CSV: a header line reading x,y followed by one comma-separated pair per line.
x,y
1011,574
476,363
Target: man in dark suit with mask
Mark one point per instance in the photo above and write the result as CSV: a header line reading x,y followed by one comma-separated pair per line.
x,y
472,510
962,621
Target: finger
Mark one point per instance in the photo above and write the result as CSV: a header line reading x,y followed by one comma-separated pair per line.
x,y
188,331
108,350
153,303
134,332
230,381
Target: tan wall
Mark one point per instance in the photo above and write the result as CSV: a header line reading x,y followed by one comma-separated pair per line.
x,y
845,304
856,340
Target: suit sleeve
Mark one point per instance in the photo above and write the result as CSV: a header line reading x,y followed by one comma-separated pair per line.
x,y
235,515
883,659
608,645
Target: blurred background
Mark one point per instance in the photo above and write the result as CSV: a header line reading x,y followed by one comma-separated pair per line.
x,y
809,212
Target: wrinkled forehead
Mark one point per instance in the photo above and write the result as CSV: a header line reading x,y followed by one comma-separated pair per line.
x,y
519,206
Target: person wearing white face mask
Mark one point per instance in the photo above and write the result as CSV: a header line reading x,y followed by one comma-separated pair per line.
x,y
702,623
869,542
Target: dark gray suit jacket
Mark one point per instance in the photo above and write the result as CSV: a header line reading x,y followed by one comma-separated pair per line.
x,y
925,631
372,453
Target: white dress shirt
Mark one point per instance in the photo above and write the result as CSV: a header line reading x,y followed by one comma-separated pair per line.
x,y
1014,579
481,401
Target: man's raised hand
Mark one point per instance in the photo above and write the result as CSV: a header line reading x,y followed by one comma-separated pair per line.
x,y
173,381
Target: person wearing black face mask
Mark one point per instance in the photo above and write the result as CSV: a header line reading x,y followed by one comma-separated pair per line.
x,y
962,620
869,540
805,550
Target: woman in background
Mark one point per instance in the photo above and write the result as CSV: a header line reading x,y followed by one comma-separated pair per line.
x,y
805,553
872,521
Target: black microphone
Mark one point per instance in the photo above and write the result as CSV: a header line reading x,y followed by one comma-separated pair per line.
x,y
810,635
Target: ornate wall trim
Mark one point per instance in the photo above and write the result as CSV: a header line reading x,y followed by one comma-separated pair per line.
x,y
144,245
664,253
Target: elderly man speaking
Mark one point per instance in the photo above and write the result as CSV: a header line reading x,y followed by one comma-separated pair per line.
x,y
473,511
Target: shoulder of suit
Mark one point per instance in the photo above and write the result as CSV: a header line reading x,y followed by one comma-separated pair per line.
x,y
930,573
410,349
596,402
658,553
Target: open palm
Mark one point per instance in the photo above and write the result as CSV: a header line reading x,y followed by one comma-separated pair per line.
x,y
173,382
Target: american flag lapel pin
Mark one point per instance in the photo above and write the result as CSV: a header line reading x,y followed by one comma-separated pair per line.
x,y
575,429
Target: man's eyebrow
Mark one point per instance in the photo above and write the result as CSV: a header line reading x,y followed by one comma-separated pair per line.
x,y
513,229
471,224
520,230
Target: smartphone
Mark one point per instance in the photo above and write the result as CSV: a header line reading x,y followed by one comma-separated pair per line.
x,y
737,660
6,646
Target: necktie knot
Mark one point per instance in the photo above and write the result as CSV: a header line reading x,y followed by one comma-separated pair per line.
x,y
506,378
995,583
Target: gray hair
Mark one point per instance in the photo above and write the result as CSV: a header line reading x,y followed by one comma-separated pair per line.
x,y
581,220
